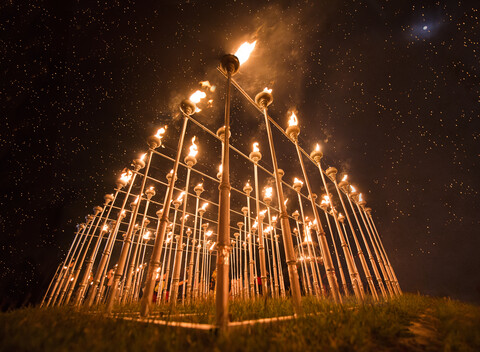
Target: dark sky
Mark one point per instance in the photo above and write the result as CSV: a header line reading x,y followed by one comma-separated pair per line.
x,y
390,88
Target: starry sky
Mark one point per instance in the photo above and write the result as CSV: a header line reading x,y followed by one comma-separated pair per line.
x,y
390,89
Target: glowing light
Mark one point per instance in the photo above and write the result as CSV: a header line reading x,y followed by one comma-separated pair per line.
x,y
208,233
262,213
293,120
360,198
268,192
255,225
204,206
126,177
180,197
206,84
344,177
136,199
146,236
308,236
255,147
213,245
193,150
296,180
105,228
142,158
353,189
197,96
274,218
326,198
285,202
220,169
243,53
317,147
425,28
266,90
200,185
160,132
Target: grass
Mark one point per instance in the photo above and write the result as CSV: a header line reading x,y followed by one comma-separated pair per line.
x,y
445,325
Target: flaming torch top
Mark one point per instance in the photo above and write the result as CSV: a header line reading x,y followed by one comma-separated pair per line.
x,y
293,130
361,201
297,184
197,96
156,140
247,188
316,154
140,162
124,179
264,98
255,155
267,197
244,51
343,183
193,151
203,208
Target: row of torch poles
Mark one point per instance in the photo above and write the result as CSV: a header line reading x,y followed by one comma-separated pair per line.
x,y
242,259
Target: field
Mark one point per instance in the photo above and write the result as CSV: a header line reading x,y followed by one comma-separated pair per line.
x,y
411,322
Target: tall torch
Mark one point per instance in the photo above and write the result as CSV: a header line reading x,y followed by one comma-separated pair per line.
x,y
263,100
293,131
230,65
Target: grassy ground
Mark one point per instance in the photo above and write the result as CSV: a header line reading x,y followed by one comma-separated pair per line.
x,y
408,323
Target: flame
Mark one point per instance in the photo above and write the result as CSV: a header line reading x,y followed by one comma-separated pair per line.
x,y
197,96
360,198
160,132
268,192
255,225
243,53
247,184
208,233
105,228
326,198
340,215
317,147
274,218
136,199
206,84
255,147
126,176
142,158
151,188
171,171
180,197
293,120
146,236
296,180
308,235
353,188
213,245
200,185
286,201
266,90
345,177
263,212
220,168
193,150
186,217
204,206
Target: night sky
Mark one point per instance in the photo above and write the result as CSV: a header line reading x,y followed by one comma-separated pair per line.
x,y
389,88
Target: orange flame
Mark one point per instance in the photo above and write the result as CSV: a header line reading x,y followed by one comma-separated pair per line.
x,y
142,158
274,218
266,90
243,53
126,176
105,228
326,198
286,201
293,120
146,236
197,96
345,177
180,197
213,245
353,188
360,198
208,233
220,168
160,132
317,148
255,147
193,150
204,206
200,185
268,192
296,180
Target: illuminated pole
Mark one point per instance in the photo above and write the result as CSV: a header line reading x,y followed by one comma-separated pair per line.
x,y
246,213
190,160
150,192
79,262
280,270
306,278
297,186
293,131
324,206
360,205
370,256
184,286
195,284
188,108
256,156
317,155
331,173
112,296
65,267
198,191
387,260
263,100
267,198
176,204
102,266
